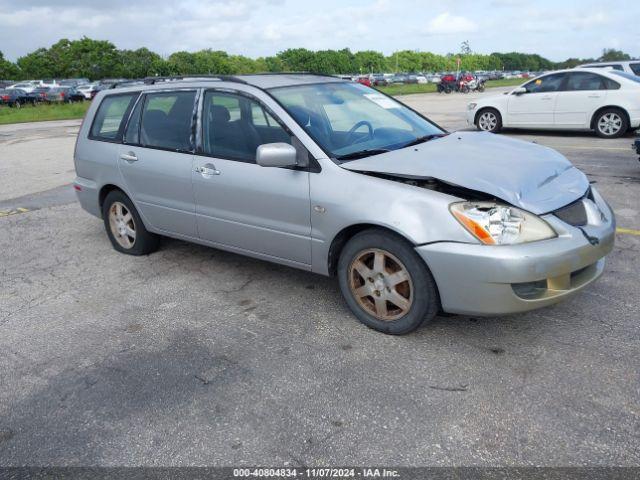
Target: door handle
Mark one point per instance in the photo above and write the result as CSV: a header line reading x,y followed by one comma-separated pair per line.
x,y
208,170
547,98
594,96
129,157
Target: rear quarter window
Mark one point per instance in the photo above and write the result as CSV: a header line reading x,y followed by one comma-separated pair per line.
x,y
111,116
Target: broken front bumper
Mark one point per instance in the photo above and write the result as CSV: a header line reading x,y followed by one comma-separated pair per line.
x,y
494,280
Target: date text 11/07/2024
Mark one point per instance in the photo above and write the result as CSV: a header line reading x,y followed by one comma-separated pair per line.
x,y
316,472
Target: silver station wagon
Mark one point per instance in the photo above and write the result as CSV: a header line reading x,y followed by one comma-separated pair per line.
x,y
339,179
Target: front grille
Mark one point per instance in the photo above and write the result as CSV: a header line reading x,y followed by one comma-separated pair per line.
x,y
574,214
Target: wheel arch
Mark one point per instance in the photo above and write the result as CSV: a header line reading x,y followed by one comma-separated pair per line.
x,y
105,190
344,235
487,107
592,124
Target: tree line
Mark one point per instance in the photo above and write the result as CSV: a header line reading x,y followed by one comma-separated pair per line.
x,y
97,59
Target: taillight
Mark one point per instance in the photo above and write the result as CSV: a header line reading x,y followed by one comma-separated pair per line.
x,y
61,94
5,98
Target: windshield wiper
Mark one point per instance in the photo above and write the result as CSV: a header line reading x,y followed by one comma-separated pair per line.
x,y
424,138
362,153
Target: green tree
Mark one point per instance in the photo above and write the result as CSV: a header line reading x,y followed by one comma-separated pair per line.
x,y
296,59
612,55
273,64
369,61
140,63
8,70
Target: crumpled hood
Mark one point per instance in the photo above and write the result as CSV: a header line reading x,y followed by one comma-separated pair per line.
x,y
526,175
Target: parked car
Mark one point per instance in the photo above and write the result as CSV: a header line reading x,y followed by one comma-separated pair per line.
x,y
64,94
330,176
364,81
398,78
607,101
632,66
636,145
41,93
48,82
24,86
379,80
15,97
85,90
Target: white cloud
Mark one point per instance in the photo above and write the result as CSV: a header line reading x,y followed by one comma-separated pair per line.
x,y
447,24
590,21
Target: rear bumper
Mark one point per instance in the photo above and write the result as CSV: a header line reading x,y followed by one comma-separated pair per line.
x,y
495,280
88,195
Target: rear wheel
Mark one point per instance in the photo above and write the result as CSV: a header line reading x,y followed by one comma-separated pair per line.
x,y
611,123
124,227
385,282
489,120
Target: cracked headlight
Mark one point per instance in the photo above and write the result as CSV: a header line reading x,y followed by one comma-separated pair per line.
x,y
495,224
472,106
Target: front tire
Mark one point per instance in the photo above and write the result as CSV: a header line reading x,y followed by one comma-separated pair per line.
x,y
385,283
489,120
611,123
124,226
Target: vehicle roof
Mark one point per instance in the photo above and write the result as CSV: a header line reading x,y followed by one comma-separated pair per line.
x,y
620,62
270,80
261,81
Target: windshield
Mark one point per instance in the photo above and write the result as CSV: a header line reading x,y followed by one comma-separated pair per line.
x,y
350,120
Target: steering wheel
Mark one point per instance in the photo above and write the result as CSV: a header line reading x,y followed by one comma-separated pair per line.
x,y
350,136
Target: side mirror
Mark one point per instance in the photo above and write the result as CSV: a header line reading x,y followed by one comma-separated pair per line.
x,y
276,155
519,91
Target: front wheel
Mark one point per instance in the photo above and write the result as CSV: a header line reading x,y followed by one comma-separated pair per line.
x,y
489,120
611,123
385,283
124,227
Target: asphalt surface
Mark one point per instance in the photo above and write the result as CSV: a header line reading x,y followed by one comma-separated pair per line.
x,y
193,356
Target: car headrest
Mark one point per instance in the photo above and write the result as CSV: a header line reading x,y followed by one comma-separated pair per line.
x,y
154,118
219,114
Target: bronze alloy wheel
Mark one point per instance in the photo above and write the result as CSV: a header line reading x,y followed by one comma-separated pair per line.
x,y
381,284
122,225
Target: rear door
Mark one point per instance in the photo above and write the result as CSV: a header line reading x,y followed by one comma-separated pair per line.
x,y
535,108
156,158
240,204
582,94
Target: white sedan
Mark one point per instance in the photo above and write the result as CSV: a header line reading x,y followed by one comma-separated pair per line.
x,y
607,101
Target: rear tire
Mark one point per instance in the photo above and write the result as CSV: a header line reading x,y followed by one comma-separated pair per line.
x,y
124,226
489,120
385,283
611,123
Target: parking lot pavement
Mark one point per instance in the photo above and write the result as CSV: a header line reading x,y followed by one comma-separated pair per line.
x,y
193,356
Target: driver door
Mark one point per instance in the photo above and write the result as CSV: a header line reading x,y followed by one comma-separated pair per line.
x,y
239,204
536,107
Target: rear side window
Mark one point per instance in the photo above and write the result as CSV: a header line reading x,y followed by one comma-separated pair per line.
x,y
580,81
112,113
635,68
166,120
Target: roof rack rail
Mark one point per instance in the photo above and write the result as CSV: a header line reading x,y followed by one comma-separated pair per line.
x,y
175,78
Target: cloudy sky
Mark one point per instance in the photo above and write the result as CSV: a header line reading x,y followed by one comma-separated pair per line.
x,y
557,29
